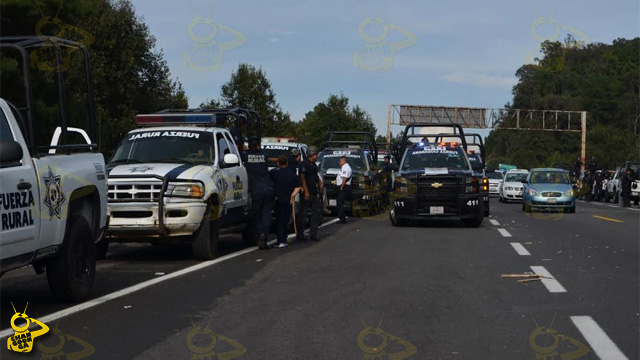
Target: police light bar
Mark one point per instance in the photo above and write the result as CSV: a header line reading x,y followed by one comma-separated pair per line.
x,y
175,119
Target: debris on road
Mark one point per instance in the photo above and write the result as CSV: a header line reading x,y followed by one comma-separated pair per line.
x,y
259,260
528,277
128,306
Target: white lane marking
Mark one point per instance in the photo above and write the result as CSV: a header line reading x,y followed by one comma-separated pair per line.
x,y
601,344
494,222
131,289
548,280
598,204
504,232
613,206
521,250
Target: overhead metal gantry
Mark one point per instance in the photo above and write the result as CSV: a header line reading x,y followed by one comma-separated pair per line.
x,y
492,118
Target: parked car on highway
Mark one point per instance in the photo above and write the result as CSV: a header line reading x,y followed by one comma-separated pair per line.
x,y
495,179
612,191
366,183
511,187
436,180
179,176
548,189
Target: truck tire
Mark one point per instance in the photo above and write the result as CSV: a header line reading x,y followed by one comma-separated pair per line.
x,y
487,208
205,239
102,247
477,220
71,273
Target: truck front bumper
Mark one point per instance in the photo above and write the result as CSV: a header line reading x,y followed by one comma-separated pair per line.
x,y
408,208
142,220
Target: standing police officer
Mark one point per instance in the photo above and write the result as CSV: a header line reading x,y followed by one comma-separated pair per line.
x,y
287,186
261,188
312,186
343,180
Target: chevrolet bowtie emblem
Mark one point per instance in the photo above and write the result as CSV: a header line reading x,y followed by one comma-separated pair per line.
x,y
436,185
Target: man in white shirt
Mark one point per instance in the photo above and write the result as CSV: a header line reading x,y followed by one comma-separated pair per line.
x,y
343,180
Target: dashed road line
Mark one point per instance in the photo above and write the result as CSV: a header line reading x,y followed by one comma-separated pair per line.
x,y
131,289
600,343
521,250
494,222
504,232
548,280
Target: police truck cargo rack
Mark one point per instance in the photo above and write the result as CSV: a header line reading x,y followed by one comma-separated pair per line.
x,y
53,198
178,177
435,179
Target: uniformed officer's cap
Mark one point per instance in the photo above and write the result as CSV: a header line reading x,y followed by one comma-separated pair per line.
x,y
312,151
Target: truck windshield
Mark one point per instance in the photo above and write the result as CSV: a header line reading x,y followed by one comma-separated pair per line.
x,y
189,147
435,157
331,160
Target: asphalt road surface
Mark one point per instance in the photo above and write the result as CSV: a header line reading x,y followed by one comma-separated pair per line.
x,y
366,291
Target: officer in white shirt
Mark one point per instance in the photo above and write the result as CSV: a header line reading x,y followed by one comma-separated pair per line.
x,y
344,183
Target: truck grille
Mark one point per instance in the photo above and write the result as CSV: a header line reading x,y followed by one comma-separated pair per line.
x,y
445,188
134,191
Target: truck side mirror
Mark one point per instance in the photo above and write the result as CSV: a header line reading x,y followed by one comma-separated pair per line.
x,y
230,160
10,152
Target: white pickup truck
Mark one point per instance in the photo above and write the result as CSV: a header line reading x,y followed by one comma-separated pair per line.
x,y
53,209
179,178
53,196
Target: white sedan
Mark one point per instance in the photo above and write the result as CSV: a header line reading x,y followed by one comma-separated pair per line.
x,y
511,187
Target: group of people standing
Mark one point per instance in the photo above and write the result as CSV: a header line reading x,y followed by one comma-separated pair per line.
x,y
279,187
594,177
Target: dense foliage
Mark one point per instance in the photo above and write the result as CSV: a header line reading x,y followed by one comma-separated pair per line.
x,y
601,79
334,114
130,76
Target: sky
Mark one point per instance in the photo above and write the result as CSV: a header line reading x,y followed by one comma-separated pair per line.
x,y
458,53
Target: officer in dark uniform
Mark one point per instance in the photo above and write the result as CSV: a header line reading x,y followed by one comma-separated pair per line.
x,y
625,187
312,185
387,179
261,188
287,185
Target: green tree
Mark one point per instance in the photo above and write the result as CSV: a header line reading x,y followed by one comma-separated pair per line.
x,y
334,115
130,76
602,79
251,89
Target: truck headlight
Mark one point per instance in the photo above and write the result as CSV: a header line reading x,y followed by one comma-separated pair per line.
x,y
186,190
532,192
401,184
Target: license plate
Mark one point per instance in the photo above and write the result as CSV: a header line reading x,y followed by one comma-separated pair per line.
x,y
436,209
552,201
333,202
